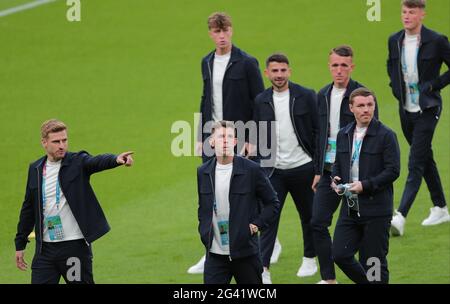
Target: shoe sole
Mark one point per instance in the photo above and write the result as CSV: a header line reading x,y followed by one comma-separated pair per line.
x,y
395,231
441,221
307,275
274,258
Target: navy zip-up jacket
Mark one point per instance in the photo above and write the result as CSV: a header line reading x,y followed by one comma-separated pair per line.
x,y
345,117
434,50
248,187
74,175
379,166
241,83
304,116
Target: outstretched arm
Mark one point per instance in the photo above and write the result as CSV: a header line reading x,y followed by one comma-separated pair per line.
x,y
94,164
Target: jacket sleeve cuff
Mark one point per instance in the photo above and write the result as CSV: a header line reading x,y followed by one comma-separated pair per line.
x,y
21,244
367,186
258,223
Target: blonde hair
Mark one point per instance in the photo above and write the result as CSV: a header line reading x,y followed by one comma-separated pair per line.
x,y
52,126
223,124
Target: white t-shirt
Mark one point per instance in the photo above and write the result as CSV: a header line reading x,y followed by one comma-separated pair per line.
x,y
220,65
337,95
411,74
358,137
221,213
71,230
289,153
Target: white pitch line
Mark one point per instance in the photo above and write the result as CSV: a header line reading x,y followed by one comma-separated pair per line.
x,y
23,7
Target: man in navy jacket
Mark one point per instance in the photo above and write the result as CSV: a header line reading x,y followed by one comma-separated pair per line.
x,y
231,81
416,54
368,162
229,213
287,152
334,114
61,206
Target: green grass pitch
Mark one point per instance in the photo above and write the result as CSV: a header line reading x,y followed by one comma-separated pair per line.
x,y
122,75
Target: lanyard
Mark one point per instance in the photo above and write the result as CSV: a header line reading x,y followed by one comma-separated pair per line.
x,y
58,189
356,147
408,77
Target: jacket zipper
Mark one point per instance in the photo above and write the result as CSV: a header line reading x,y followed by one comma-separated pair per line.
x,y
211,85
402,81
273,109
295,128
350,167
39,209
326,133
229,226
212,215
226,69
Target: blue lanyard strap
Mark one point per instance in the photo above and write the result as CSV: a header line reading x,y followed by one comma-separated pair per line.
x,y
58,189
357,148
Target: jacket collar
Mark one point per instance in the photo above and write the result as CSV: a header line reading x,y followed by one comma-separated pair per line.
x,y
237,166
351,86
294,91
40,162
371,130
425,35
236,54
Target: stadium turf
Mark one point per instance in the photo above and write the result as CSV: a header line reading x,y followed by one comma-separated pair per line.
x,y
129,69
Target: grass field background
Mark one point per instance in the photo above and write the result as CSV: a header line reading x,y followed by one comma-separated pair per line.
x,y
129,69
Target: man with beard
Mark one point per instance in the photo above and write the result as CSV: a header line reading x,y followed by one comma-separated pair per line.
x,y
293,110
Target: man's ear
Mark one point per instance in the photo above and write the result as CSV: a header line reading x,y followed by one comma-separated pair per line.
x,y
211,141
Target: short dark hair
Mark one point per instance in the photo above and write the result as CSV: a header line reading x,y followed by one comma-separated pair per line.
x,y
343,51
277,57
414,3
219,20
223,124
361,92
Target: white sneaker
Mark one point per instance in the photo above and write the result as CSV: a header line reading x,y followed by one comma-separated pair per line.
x,y
198,268
398,224
266,277
276,252
308,268
325,282
437,216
